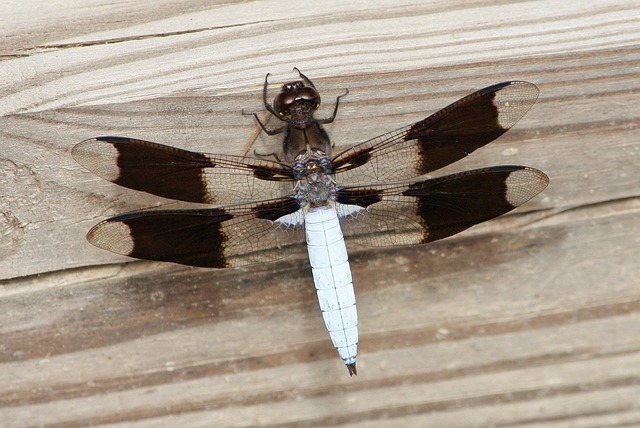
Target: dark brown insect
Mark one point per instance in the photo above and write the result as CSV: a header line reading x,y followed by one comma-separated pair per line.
x,y
376,189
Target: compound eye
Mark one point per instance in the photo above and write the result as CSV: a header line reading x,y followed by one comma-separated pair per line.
x,y
310,95
294,92
283,101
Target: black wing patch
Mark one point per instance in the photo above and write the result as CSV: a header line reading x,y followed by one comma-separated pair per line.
x,y
216,237
432,209
181,174
439,140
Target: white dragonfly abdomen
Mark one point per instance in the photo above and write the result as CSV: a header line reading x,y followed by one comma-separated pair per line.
x,y
332,277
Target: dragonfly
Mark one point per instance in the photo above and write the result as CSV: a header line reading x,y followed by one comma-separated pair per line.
x,y
378,193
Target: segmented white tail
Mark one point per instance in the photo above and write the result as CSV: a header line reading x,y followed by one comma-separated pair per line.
x,y
332,277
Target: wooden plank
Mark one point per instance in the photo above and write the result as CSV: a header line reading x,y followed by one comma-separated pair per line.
x,y
527,320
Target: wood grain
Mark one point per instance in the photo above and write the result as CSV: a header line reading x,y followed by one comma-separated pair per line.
x,y
528,320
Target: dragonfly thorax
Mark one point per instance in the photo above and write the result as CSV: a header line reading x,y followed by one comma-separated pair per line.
x,y
314,185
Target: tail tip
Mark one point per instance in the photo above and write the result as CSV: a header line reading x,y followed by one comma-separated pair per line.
x,y
352,369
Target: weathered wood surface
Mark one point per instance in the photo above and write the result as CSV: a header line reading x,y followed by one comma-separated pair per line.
x,y
528,320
